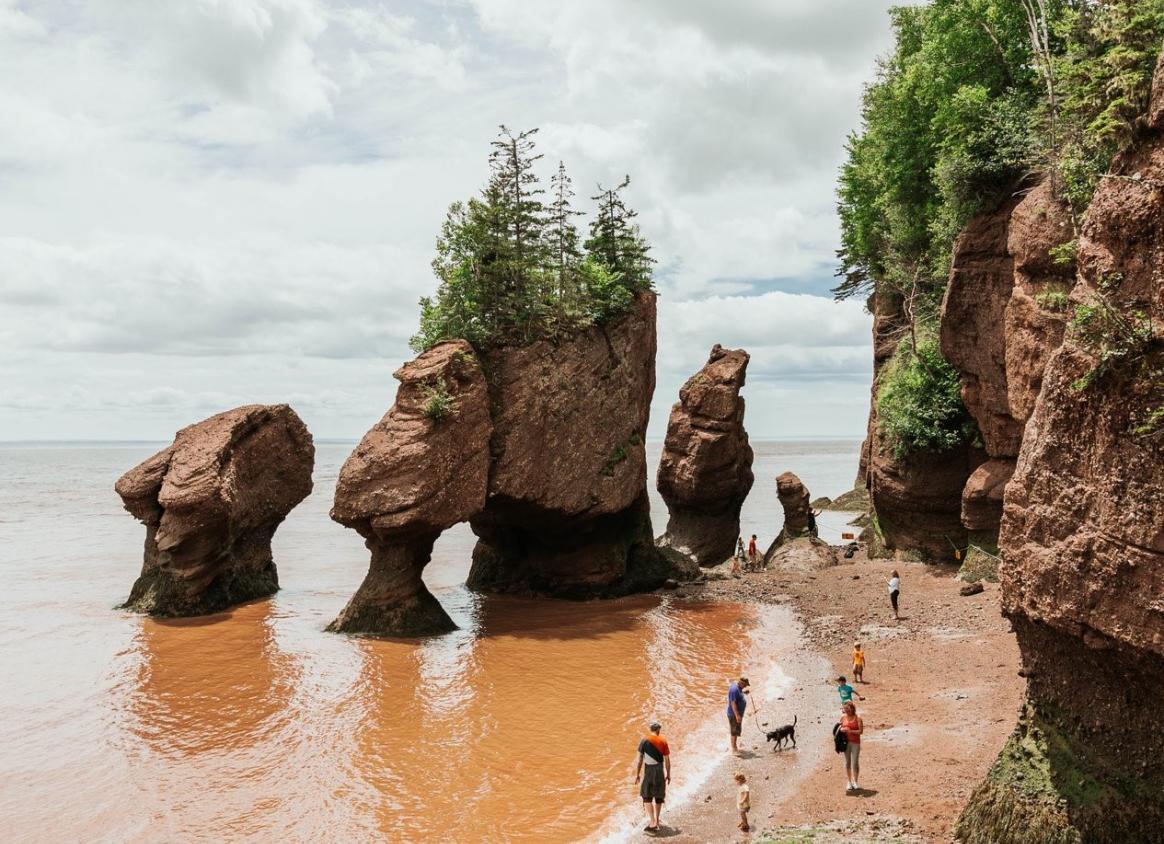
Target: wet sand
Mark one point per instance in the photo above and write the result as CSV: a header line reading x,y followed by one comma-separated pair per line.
x,y
943,693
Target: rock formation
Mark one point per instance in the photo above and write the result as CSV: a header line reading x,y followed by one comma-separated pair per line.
x,y
998,336
540,449
918,500
794,498
423,468
706,469
211,503
796,547
1082,543
567,513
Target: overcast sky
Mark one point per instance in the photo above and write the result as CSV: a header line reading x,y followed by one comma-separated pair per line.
x,y
206,203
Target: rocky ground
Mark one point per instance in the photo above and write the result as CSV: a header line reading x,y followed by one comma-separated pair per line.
x,y
942,695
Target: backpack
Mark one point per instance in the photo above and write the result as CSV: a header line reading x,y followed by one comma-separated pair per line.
x,y
840,738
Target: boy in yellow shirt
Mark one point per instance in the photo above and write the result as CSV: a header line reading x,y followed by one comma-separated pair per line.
x,y
858,663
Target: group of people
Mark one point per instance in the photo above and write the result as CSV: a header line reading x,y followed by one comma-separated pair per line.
x,y
653,768
749,560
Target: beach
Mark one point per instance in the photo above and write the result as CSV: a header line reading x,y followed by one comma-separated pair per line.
x,y
942,695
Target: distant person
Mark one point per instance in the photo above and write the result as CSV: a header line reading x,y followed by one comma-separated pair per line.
x,y
737,703
853,726
812,514
846,691
753,552
894,584
654,770
740,549
743,800
858,663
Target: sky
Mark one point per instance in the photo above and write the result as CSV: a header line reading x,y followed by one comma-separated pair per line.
x,y
208,203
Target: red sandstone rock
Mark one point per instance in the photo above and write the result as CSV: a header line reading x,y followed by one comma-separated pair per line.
x,y
1082,537
567,512
982,496
211,503
794,498
413,475
706,469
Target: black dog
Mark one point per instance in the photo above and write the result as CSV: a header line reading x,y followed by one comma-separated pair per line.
x,y
785,733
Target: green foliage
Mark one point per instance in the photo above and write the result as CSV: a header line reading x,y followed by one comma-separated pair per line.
x,y
1119,341
919,403
438,401
1104,78
1064,254
1054,298
509,265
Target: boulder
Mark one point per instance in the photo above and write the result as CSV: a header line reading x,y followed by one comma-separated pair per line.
x,y
706,469
211,503
794,498
421,469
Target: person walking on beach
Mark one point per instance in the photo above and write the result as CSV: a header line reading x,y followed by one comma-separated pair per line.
x,y
858,663
894,584
753,554
654,770
846,691
743,800
736,704
853,726
740,549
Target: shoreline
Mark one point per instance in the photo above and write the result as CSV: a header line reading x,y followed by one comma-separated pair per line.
x,y
943,693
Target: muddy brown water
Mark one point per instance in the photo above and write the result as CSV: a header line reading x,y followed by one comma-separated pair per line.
x,y
256,725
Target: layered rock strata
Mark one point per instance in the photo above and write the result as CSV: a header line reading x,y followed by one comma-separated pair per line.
x,y
421,469
917,500
706,469
1002,316
211,503
1082,543
540,448
567,512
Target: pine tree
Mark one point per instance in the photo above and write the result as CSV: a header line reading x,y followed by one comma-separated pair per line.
x,y
615,240
563,235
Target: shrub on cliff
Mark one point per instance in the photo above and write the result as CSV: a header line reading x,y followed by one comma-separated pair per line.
x,y
509,264
919,403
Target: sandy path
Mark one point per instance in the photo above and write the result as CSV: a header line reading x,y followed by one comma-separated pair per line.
x,y
942,695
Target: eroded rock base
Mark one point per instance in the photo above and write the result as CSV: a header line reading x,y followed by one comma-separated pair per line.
x,y
393,600
604,558
1084,764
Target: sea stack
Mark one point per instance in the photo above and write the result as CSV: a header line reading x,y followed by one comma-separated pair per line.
x,y
423,468
706,469
211,503
539,447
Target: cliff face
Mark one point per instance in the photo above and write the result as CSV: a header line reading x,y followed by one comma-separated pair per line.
x,y
706,469
1082,542
211,503
541,450
998,336
917,501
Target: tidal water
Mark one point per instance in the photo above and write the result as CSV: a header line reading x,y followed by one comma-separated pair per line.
x,y
256,725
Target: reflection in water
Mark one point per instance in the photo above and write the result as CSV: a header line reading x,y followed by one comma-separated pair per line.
x,y
526,730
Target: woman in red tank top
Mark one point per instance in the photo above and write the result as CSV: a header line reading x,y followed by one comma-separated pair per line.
x,y
853,726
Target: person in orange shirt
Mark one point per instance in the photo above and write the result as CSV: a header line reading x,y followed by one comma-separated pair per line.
x,y
858,663
655,758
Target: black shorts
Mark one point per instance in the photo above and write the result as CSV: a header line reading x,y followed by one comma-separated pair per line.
x,y
734,725
654,786
893,598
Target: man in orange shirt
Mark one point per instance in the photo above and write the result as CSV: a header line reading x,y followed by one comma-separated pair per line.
x,y
655,758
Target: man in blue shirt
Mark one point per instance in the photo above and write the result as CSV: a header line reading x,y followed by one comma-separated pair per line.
x,y
737,703
846,691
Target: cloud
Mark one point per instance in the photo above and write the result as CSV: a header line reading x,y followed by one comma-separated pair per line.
x,y
211,201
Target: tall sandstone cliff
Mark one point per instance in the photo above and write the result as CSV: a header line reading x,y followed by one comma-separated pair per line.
x,y
1082,541
540,448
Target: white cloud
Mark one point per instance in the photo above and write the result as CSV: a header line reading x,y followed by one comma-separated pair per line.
x,y
215,201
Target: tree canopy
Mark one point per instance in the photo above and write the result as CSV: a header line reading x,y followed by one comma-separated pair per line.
x,y
509,264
